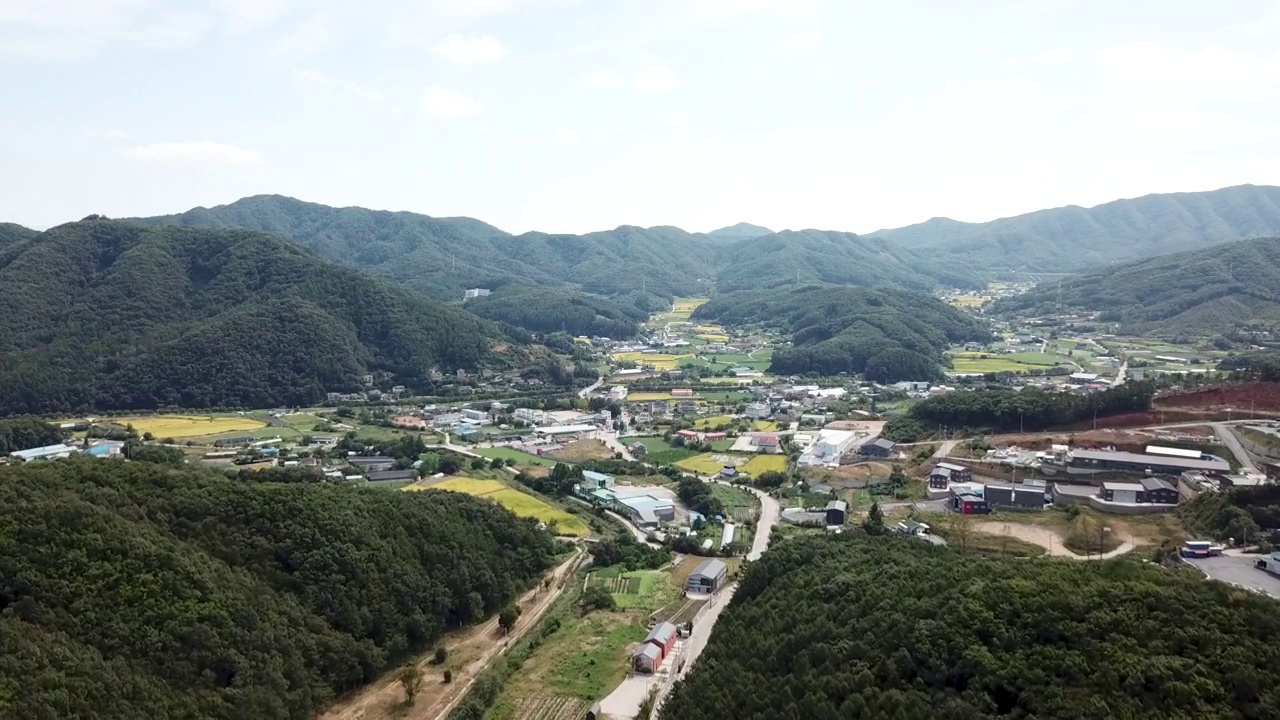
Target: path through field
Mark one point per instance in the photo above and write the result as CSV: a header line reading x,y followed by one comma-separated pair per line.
x,y
480,645
1048,539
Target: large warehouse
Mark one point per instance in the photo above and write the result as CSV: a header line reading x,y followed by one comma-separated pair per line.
x,y
1094,462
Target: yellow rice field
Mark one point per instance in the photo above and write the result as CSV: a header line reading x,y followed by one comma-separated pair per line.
x,y
647,396
764,425
764,463
181,426
704,464
517,502
662,361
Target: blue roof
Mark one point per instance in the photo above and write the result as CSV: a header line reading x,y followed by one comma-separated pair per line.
x,y
97,450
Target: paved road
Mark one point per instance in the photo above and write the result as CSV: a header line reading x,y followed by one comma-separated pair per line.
x,y
591,388
611,441
639,534
1124,370
944,450
1238,570
1229,439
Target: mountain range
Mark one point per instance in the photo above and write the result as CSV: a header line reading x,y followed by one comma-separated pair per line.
x,y
1201,292
103,314
1073,239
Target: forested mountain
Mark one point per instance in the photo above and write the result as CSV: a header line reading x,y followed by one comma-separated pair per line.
x,y
887,335
1200,292
128,590
739,231
1071,239
789,257
10,233
840,627
444,256
111,315
548,310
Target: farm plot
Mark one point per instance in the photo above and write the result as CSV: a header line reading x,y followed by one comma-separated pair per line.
x,y
517,502
710,422
645,590
582,451
710,463
980,362
764,463
521,457
551,707
661,361
182,426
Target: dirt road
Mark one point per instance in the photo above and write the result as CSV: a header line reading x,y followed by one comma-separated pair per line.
x,y
1048,540
475,647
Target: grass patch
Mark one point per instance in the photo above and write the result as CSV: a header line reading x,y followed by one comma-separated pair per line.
x,y
184,426
704,423
722,445
648,396
734,497
520,503
670,457
521,457
652,443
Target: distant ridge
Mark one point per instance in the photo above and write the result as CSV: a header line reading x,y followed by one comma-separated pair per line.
x,y
740,231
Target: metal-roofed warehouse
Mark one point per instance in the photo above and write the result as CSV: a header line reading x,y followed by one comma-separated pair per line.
x,y
1102,461
708,576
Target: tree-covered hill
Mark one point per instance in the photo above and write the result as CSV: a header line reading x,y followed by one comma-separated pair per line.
x,y
887,335
739,231
788,257
1198,292
128,590
548,310
10,233
830,628
1072,239
101,314
444,256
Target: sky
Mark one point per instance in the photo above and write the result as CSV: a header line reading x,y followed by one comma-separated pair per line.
x,y
580,115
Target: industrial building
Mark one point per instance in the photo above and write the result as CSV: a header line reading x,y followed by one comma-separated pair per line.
x,y
708,577
1096,462
1026,497
1149,490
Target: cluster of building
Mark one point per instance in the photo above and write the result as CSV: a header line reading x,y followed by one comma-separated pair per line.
x,y
832,448
92,448
644,509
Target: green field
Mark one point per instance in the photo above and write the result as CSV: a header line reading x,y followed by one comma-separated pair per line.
x,y
711,422
722,445
646,590
521,457
652,444
733,497
981,362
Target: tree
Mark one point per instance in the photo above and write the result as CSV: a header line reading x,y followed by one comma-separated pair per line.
x,y
498,463
411,680
770,479
597,597
507,618
441,655
874,522
479,464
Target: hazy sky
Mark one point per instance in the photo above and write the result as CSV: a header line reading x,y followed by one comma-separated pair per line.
x,y
564,115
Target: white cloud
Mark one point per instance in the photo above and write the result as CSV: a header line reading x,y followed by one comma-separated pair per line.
x,y
106,133
446,102
470,49
314,83
1213,68
798,44
199,152
654,79
565,137
77,29
1056,56
604,79
307,40
249,16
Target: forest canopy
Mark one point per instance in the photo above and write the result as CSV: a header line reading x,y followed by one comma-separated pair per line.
x,y
100,315
840,627
886,335
131,590
550,310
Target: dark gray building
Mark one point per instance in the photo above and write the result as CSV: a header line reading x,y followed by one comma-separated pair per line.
x,y
837,512
708,576
879,447
391,475
1159,491
371,463
1029,497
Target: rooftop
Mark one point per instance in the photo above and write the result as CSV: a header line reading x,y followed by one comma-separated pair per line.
x,y
1123,486
662,632
840,505
1150,460
710,568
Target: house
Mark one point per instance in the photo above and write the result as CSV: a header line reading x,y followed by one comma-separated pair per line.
x,y
660,408
728,472
646,659
880,447
48,452
638,449
618,392
1028,497
837,512
371,463
969,504
391,476
687,407
708,577
767,443
757,411
939,478
959,473
912,528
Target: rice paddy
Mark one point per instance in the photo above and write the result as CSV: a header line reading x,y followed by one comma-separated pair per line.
x,y
661,361
520,503
184,426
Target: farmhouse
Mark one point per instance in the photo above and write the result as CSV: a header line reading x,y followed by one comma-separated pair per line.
x,y
767,443
708,577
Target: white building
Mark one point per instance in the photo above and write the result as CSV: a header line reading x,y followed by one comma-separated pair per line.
x,y
530,415
758,411
48,452
475,293
828,448
618,392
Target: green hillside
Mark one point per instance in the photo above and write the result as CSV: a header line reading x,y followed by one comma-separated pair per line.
x,y
11,233
855,627
130,591
109,315
1070,239
444,256
1201,292
739,231
789,257
888,335
548,310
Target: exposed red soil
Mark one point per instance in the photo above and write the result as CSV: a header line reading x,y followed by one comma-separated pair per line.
x,y
1261,396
